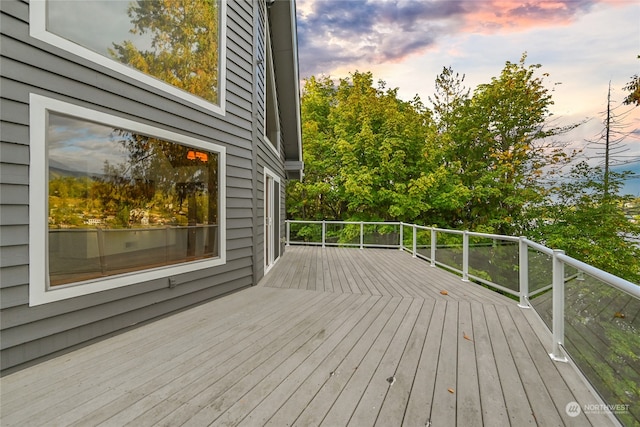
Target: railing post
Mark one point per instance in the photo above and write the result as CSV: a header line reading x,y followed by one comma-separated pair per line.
x,y
288,228
361,235
401,235
166,244
523,265
415,241
434,242
465,256
558,308
324,232
101,252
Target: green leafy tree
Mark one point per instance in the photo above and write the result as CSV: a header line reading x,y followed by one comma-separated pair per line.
x,y
318,197
362,146
590,223
449,99
184,47
633,87
504,142
474,162
441,191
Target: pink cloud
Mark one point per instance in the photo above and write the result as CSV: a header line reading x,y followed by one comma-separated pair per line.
x,y
335,33
515,15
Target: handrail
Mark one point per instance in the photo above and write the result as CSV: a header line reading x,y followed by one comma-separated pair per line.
x,y
429,248
538,247
300,221
108,230
615,281
444,230
494,236
559,260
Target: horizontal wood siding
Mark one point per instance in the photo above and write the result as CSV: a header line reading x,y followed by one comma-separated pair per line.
x,y
266,156
32,66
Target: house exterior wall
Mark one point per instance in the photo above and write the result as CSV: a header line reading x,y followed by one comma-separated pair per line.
x,y
266,156
30,66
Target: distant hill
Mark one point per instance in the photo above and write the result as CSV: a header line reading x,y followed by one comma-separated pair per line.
x,y
59,170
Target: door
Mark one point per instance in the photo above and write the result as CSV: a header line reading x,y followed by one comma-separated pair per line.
x,y
271,219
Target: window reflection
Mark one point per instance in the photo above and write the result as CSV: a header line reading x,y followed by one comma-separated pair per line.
x,y
121,201
175,41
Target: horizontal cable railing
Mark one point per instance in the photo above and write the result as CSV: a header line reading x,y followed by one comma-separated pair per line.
x,y
594,324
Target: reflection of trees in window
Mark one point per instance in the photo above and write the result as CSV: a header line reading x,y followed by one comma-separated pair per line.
x,y
120,201
169,173
162,172
184,47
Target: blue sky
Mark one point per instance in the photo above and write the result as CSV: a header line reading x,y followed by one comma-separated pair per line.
x,y
581,44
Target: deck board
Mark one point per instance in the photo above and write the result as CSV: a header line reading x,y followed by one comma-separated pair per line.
x,y
443,410
397,396
418,411
384,378
493,405
542,408
331,336
332,368
467,388
513,391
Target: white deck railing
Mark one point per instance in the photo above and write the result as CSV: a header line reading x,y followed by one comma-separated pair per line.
x,y
456,256
602,340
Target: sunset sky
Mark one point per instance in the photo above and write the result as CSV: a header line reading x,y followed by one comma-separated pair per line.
x,y
582,44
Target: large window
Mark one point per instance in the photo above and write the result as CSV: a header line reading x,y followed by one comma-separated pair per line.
x,y
175,45
121,202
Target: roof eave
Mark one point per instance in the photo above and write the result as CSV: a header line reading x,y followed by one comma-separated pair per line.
x,y
285,59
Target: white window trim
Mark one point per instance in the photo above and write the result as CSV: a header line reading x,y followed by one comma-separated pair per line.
x,y
39,290
270,102
38,30
276,178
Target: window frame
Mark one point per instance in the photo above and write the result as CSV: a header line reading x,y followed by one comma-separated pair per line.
x,y
38,30
40,291
270,102
268,173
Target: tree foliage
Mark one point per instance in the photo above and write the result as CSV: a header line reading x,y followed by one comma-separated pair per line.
x,y
589,223
483,160
505,144
633,87
363,146
184,47
472,162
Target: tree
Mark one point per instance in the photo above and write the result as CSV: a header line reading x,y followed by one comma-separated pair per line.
x,y
474,162
633,87
449,99
362,146
184,44
610,142
500,142
589,223
317,197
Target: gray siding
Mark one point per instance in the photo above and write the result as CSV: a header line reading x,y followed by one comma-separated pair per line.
x,y
266,156
32,66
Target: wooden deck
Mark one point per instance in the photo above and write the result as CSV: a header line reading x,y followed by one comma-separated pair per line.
x,y
330,336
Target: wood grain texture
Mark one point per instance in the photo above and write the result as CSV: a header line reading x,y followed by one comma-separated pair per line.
x,y
380,346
